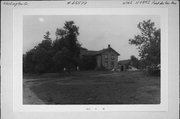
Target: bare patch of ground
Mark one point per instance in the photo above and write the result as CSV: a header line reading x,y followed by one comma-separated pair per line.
x,y
29,97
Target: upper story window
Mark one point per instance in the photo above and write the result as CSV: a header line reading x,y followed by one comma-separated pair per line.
x,y
106,56
112,57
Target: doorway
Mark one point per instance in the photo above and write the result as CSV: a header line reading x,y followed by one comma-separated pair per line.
x,y
122,68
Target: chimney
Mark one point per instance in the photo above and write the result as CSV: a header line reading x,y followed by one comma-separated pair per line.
x,y
109,46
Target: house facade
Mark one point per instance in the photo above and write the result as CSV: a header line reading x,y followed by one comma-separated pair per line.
x,y
106,58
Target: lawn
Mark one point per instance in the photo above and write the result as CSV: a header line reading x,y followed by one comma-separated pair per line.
x,y
92,87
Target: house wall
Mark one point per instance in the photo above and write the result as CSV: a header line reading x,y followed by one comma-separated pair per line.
x,y
106,62
98,59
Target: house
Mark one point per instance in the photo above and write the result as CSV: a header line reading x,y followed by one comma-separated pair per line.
x,y
106,58
123,65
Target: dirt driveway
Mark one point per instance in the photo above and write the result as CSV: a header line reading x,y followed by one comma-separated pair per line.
x,y
29,97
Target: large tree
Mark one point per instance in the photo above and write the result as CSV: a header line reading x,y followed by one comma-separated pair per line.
x,y
28,63
66,46
62,59
46,42
67,37
50,56
148,43
134,61
38,59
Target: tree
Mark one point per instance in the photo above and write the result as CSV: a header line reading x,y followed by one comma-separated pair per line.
x,y
42,60
66,40
135,61
62,59
148,43
88,63
68,37
50,56
38,59
28,63
46,42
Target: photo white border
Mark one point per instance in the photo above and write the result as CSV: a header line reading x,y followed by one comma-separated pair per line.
x,y
18,51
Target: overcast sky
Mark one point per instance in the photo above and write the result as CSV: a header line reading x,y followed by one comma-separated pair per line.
x,y
96,32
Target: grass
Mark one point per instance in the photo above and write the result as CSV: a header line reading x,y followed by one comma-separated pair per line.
x,y
90,87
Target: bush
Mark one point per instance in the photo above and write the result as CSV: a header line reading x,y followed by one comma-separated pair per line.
x,y
153,71
88,63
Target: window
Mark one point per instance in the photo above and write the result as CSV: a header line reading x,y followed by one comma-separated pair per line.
x,y
112,57
106,56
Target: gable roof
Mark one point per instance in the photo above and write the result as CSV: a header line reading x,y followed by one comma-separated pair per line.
x,y
88,52
104,50
84,51
123,62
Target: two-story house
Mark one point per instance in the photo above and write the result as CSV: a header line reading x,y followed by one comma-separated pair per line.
x,y
107,58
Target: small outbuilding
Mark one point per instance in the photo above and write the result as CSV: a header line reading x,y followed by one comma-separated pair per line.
x,y
123,65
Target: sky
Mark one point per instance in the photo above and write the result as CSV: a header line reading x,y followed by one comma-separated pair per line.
x,y
96,31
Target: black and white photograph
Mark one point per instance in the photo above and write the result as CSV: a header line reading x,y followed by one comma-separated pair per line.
x,y
91,59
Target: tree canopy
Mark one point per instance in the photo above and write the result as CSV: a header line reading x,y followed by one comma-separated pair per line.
x,y
66,46
134,61
50,56
148,43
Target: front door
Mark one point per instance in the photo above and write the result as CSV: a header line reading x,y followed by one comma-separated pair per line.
x,y
122,68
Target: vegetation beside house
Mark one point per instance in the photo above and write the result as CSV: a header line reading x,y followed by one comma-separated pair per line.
x,y
148,44
54,56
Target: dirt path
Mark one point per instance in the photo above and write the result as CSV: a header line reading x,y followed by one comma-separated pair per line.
x,y
29,97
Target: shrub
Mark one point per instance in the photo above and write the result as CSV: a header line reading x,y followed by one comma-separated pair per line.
x,y
88,63
153,70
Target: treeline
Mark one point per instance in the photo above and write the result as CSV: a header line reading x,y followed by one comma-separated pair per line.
x,y
54,56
